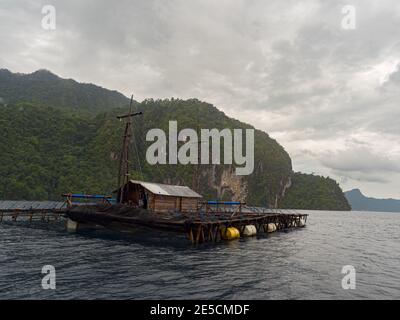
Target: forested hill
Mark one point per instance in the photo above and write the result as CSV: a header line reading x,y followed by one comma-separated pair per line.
x,y
50,146
315,193
46,152
47,89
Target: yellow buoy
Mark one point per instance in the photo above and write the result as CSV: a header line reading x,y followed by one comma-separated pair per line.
x,y
230,233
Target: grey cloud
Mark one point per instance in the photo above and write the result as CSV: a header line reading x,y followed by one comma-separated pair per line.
x,y
361,160
285,66
362,178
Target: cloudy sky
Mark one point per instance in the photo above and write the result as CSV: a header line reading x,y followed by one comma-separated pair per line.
x,y
329,94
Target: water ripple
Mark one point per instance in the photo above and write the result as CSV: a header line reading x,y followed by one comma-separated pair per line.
x,y
302,264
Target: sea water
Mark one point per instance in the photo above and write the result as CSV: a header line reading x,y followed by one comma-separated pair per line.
x,y
304,263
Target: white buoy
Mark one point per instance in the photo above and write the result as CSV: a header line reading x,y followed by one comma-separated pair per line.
x,y
271,227
72,226
249,230
302,222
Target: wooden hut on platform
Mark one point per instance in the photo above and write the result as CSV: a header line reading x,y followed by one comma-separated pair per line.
x,y
158,197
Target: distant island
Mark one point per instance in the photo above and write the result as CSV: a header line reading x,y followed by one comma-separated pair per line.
x,y
359,202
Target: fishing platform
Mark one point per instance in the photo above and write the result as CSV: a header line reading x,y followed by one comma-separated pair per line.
x,y
161,207
157,206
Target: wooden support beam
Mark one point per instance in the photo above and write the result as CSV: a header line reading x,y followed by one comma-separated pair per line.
x,y
216,233
132,114
198,234
191,235
14,216
210,233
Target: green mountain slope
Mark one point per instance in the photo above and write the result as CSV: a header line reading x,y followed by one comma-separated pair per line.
x,y
315,193
61,136
45,152
45,88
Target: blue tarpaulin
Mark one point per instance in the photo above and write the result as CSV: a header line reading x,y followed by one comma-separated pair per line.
x,y
230,203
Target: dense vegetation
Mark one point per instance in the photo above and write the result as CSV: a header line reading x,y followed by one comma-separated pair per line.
x,y
56,138
45,152
46,89
314,193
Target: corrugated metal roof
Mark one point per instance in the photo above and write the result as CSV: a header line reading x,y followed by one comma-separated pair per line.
x,y
28,205
167,189
8,205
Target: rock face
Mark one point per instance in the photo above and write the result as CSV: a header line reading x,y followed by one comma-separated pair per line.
x,y
235,184
232,186
222,183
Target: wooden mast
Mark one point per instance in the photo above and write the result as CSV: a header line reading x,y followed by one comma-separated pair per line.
x,y
196,174
123,170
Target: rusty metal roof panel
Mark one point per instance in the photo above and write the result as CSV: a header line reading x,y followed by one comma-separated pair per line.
x,y
168,190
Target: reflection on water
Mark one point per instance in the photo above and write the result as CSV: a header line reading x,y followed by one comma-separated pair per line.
x,y
300,264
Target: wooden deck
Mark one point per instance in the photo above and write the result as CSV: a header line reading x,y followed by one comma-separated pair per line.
x,y
212,228
206,225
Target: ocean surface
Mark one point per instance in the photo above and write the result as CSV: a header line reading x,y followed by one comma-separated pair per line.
x,y
300,264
